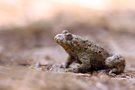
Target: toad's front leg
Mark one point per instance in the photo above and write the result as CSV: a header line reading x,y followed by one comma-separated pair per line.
x,y
70,60
84,66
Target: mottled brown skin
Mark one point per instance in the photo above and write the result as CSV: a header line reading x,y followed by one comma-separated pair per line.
x,y
89,55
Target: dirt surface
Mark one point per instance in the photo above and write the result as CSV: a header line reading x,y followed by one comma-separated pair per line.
x,y
23,49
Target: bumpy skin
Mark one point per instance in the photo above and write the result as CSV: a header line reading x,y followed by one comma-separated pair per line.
x,y
89,55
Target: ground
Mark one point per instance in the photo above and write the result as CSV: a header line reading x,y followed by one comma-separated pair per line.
x,y
21,50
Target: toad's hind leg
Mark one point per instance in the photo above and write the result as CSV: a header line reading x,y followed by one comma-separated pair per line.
x,y
116,64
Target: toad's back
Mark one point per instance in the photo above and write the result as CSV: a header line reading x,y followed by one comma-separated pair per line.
x,y
93,52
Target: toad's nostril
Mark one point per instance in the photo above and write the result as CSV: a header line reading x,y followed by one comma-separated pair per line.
x,y
56,37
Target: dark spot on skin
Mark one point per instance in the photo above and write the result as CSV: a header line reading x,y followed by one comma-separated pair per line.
x,y
89,45
83,41
85,48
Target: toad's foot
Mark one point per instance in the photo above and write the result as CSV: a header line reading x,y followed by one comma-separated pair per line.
x,y
74,70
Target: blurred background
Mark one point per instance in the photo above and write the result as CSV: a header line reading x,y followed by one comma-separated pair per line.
x,y
27,28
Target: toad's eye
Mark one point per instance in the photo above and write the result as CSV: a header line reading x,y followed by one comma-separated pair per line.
x,y
68,36
65,31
